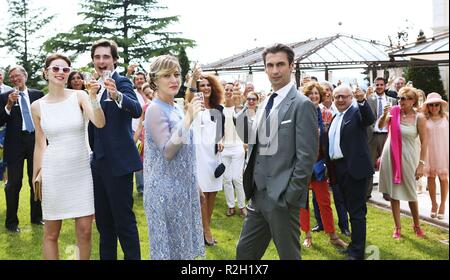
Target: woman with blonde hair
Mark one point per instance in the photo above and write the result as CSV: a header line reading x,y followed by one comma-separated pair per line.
x,y
171,195
401,164
436,162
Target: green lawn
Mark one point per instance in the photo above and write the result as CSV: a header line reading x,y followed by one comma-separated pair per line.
x,y
28,244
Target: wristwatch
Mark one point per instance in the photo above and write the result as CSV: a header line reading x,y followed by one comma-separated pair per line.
x,y
422,162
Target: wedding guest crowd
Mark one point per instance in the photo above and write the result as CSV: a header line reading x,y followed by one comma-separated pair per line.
x,y
87,138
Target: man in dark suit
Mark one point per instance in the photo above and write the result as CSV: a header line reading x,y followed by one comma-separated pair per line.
x,y
349,153
283,146
115,157
19,145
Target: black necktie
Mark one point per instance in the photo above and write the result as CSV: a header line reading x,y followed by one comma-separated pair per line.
x,y
270,104
268,108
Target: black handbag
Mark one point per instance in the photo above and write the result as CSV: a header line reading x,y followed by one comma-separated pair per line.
x,y
220,169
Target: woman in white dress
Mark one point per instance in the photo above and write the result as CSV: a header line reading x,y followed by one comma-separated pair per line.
x,y
67,188
208,147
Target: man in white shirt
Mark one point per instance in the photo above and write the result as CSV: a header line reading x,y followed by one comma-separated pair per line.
x,y
15,112
377,137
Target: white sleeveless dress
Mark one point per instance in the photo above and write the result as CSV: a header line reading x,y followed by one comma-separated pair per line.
x,y
67,185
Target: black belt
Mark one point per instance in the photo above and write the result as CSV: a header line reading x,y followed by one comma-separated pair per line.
x,y
27,133
379,133
337,160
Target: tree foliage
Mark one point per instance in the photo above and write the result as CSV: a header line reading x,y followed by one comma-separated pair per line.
x,y
133,24
427,79
22,33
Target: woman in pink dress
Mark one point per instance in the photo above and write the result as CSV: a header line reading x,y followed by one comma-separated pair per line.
x,y
436,163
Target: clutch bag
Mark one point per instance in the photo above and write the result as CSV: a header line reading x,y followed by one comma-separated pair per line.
x,y
38,187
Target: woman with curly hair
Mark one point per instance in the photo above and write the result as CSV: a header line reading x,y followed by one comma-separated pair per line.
x,y
208,139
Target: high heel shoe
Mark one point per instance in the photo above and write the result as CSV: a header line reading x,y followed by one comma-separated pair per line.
x,y
397,233
209,243
419,232
434,211
440,216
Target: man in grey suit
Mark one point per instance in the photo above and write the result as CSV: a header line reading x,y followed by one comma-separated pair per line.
x,y
377,137
283,146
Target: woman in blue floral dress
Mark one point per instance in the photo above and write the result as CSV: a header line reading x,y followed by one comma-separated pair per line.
x,y
171,193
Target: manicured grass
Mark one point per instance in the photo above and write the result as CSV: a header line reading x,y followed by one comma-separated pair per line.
x,y
28,244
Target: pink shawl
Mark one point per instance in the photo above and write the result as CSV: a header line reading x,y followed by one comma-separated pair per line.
x,y
396,144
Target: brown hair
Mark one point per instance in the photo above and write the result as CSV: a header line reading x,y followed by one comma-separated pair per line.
x,y
279,48
217,90
106,43
56,56
71,77
380,79
307,89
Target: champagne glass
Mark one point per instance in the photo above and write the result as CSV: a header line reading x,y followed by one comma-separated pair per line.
x,y
16,103
106,74
87,77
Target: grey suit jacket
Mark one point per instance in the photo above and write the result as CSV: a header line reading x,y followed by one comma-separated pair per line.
x,y
372,100
281,162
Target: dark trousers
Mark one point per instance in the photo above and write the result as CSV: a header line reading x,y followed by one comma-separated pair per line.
x,y
340,209
375,148
354,194
14,185
114,216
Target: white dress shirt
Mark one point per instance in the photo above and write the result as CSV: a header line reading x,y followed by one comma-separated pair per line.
x,y
384,102
282,93
335,131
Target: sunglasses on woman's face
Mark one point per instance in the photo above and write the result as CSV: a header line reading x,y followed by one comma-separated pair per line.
x,y
56,69
403,98
434,105
251,99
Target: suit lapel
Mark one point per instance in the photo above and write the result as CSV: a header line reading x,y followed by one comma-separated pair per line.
x,y
282,110
346,119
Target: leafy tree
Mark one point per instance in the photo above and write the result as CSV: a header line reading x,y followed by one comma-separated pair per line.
x,y
427,79
22,30
184,63
133,24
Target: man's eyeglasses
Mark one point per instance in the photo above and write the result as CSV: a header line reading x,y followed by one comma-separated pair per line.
x,y
344,97
434,105
56,69
403,98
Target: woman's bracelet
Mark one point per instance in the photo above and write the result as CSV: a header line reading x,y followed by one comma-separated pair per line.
x,y
95,104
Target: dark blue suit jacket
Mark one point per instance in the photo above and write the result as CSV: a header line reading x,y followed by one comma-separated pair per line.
x,y
12,147
353,141
114,142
